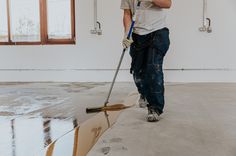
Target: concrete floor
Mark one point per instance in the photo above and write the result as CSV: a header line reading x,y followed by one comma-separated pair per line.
x,y
35,116
199,119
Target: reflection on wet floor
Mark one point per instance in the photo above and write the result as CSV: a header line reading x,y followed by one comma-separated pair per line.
x,y
87,133
83,137
48,119
31,134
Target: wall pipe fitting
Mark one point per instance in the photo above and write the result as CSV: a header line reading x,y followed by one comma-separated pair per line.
x,y
97,25
206,22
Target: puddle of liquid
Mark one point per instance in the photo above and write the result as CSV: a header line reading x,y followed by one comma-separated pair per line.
x,y
80,141
29,136
51,131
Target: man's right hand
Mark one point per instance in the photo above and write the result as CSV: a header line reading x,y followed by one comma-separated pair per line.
x,y
127,20
127,42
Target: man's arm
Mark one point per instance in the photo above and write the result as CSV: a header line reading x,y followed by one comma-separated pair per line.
x,y
160,3
127,19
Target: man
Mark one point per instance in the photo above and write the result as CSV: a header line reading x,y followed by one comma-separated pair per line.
x,y
149,44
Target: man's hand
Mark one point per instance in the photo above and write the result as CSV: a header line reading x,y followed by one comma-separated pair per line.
x,y
127,42
127,22
146,0
163,3
160,3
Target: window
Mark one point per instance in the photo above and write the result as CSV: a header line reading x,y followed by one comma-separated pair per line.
x,y
25,21
3,21
37,22
59,25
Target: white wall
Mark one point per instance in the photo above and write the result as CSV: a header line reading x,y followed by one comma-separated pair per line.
x,y
208,57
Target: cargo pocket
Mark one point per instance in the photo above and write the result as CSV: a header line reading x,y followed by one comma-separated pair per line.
x,y
138,52
161,41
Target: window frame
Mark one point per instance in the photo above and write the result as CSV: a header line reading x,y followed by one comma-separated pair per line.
x,y
43,27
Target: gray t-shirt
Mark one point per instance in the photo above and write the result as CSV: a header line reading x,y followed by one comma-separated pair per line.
x,y
149,16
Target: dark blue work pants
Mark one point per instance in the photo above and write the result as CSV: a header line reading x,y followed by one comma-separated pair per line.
x,y
147,53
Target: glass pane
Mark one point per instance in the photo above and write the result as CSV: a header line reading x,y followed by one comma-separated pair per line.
x,y
59,19
3,21
25,20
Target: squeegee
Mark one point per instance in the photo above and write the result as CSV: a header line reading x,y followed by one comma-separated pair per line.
x,y
116,107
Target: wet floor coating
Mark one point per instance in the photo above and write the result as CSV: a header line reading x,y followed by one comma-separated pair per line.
x,y
84,136
30,134
22,98
47,119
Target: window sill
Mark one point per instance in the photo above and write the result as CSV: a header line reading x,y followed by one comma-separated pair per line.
x,y
49,42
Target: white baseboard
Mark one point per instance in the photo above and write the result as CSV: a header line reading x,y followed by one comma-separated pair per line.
x,y
63,75
200,76
107,75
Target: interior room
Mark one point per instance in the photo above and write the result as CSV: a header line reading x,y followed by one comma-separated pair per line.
x,y
117,77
